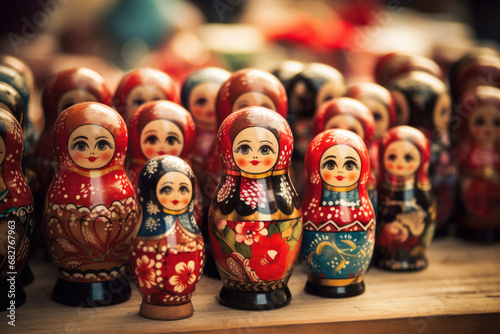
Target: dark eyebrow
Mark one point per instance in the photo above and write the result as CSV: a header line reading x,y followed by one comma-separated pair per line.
x,y
153,130
244,141
167,182
80,137
102,137
266,141
173,134
331,156
348,157
184,184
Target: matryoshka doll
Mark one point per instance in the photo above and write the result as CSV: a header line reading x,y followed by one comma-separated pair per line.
x,y
91,212
479,164
424,98
339,220
16,212
168,252
287,70
255,223
407,212
11,102
140,86
381,104
63,90
349,114
198,95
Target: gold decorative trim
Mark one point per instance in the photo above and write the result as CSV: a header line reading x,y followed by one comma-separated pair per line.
x,y
175,212
257,216
340,189
95,173
256,176
335,282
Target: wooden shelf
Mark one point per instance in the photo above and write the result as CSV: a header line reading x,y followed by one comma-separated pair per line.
x,y
459,292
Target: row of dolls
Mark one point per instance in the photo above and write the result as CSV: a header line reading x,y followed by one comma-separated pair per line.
x,y
243,88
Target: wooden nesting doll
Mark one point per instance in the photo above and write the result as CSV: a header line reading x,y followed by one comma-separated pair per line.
x,y
255,216
16,212
10,101
407,212
244,88
339,220
479,164
143,85
394,64
424,98
63,90
168,252
198,95
91,212
381,104
287,70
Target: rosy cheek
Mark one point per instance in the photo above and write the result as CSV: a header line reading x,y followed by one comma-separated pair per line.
x,y
173,152
410,167
149,151
106,156
241,162
390,166
163,200
79,157
351,176
267,161
327,176
185,201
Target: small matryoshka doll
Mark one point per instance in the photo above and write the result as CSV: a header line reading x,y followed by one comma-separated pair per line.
x,y
64,89
479,164
91,212
158,128
349,114
424,98
140,86
314,85
381,104
287,70
16,211
198,95
255,216
339,219
10,101
407,213
168,252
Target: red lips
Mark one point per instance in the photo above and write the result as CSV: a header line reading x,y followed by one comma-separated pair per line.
x,y
340,177
162,152
255,162
92,159
175,202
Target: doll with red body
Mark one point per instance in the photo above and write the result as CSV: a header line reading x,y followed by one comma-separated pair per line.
x,y
255,223
407,211
16,210
381,104
140,86
168,251
479,164
198,95
90,212
339,220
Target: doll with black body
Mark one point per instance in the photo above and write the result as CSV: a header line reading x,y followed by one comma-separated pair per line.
x,y
407,212
168,252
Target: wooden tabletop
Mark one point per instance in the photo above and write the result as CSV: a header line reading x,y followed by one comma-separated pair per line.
x,y
458,293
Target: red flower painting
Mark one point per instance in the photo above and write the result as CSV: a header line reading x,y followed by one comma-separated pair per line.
x,y
250,232
269,257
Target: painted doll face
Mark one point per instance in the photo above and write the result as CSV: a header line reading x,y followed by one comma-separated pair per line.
x,y
381,116
91,146
174,191
340,166
484,124
328,91
255,150
141,94
73,97
346,122
2,150
253,99
442,112
202,105
161,137
402,158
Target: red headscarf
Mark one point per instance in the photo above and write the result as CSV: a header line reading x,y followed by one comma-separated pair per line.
x,y
351,219
76,185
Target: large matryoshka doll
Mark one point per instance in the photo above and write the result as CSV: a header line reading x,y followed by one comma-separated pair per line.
x,y
16,212
198,95
244,88
140,86
158,128
424,98
255,216
65,88
168,251
349,114
381,104
339,220
479,164
407,212
91,212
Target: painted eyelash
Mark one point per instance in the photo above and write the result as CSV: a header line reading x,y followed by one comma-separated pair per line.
x,y
269,147
328,161
111,146
72,147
